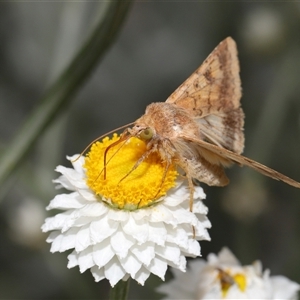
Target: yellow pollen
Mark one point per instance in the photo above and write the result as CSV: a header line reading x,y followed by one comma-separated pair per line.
x,y
227,280
241,282
127,186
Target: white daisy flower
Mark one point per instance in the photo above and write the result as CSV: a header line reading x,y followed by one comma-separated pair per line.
x,y
125,221
223,277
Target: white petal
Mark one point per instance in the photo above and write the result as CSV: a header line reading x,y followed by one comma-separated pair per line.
x,y
200,208
68,240
203,222
65,241
227,257
161,214
178,235
77,161
113,271
181,190
73,260
139,230
157,233
131,264
69,221
258,269
92,210
142,275
181,264
102,253
83,239
55,246
121,243
66,201
158,266
85,260
70,172
118,215
201,232
175,199
88,195
75,178
169,252
194,248
101,229
56,222
141,214
98,273
145,252
63,182
52,236
183,216
77,221
284,288
199,193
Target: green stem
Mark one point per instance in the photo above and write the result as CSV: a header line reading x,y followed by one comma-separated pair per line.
x,y
59,95
120,290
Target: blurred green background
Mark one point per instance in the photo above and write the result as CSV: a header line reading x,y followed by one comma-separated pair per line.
x,y
159,45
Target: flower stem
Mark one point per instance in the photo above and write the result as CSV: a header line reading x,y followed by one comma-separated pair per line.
x,y
120,290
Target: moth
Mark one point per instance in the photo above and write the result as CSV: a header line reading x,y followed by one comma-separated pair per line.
x,y
200,126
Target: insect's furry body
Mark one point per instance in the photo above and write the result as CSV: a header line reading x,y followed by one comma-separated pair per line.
x,y
200,126
169,125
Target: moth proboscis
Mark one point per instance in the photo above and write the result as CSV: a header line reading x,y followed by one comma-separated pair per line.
x,y
200,126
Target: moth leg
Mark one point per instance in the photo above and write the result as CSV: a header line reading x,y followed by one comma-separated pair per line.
x,y
183,163
124,137
105,163
192,189
138,162
163,178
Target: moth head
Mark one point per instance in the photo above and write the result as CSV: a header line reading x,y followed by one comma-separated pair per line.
x,y
142,131
146,134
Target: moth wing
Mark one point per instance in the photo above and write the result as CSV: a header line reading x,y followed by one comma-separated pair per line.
x,y
212,96
224,130
204,171
196,166
220,155
215,86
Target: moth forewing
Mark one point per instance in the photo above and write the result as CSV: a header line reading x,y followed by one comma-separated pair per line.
x,y
215,86
212,96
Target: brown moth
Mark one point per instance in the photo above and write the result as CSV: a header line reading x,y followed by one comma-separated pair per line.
x,y
200,126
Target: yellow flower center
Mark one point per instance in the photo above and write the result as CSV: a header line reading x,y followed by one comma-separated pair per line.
x,y
227,280
129,184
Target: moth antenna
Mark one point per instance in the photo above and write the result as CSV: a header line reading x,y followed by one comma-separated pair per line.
x,y
100,137
122,138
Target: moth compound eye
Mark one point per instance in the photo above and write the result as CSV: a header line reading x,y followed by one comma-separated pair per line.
x,y
146,134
